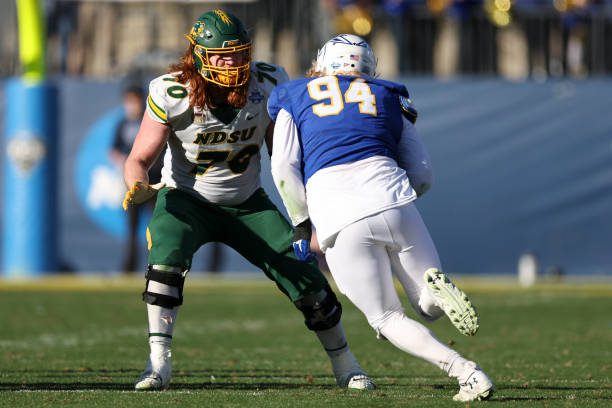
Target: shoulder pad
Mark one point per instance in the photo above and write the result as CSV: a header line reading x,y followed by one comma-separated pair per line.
x,y
268,75
166,97
280,99
408,109
393,86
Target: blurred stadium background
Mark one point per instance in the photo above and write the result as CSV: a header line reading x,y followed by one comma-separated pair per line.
x,y
514,100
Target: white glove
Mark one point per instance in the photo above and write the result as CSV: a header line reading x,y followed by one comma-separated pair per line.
x,y
140,192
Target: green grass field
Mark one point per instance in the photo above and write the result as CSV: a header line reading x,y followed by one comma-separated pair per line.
x,y
67,342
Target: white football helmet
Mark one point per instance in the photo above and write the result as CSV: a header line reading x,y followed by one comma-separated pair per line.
x,y
346,53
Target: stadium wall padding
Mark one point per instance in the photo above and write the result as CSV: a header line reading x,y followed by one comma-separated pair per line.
x,y
518,166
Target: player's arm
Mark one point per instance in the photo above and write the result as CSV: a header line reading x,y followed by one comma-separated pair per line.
x,y
287,174
286,167
286,154
413,157
149,143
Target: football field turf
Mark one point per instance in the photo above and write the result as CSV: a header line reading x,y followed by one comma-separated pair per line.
x,y
240,343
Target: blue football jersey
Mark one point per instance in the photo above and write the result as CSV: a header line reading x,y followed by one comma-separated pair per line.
x,y
342,119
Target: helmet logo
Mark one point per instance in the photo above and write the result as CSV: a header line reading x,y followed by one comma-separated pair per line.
x,y
197,29
346,53
342,39
256,97
223,16
231,43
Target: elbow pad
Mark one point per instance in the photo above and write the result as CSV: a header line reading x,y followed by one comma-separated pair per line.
x,y
408,109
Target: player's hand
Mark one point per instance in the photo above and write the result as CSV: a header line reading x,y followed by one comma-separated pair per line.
x,y
301,241
140,192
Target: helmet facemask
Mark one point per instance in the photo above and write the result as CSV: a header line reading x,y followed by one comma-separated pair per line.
x,y
217,32
226,76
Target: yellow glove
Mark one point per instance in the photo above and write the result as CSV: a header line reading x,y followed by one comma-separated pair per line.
x,y
140,192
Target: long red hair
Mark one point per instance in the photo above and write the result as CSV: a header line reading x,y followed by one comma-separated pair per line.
x,y
203,93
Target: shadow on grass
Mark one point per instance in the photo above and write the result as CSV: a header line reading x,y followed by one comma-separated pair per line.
x,y
263,372
73,386
85,378
564,393
562,397
553,388
433,381
175,386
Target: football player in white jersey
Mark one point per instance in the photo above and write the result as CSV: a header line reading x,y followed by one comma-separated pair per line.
x,y
347,156
210,110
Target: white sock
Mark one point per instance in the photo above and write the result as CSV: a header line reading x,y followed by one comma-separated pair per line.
x,y
427,304
161,327
160,346
414,338
456,368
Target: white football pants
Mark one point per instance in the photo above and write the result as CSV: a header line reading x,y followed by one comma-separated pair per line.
x,y
365,257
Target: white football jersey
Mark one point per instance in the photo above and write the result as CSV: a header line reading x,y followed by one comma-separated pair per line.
x,y
339,195
206,157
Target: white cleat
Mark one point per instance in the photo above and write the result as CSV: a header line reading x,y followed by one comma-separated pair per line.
x,y
356,381
474,384
157,373
453,301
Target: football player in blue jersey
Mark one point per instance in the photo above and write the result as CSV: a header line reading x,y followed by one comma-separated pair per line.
x,y
348,159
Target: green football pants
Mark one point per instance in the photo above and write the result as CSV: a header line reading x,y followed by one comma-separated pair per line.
x,y
256,229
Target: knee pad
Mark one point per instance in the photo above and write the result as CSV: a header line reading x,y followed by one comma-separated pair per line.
x,y
321,310
168,280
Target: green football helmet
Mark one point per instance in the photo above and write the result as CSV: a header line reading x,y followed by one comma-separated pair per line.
x,y
220,33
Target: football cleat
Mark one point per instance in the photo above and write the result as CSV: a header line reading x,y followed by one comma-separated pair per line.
x,y
453,301
349,373
157,373
356,381
474,384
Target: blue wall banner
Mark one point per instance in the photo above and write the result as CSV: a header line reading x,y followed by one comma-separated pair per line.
x,y
519,168
99,183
